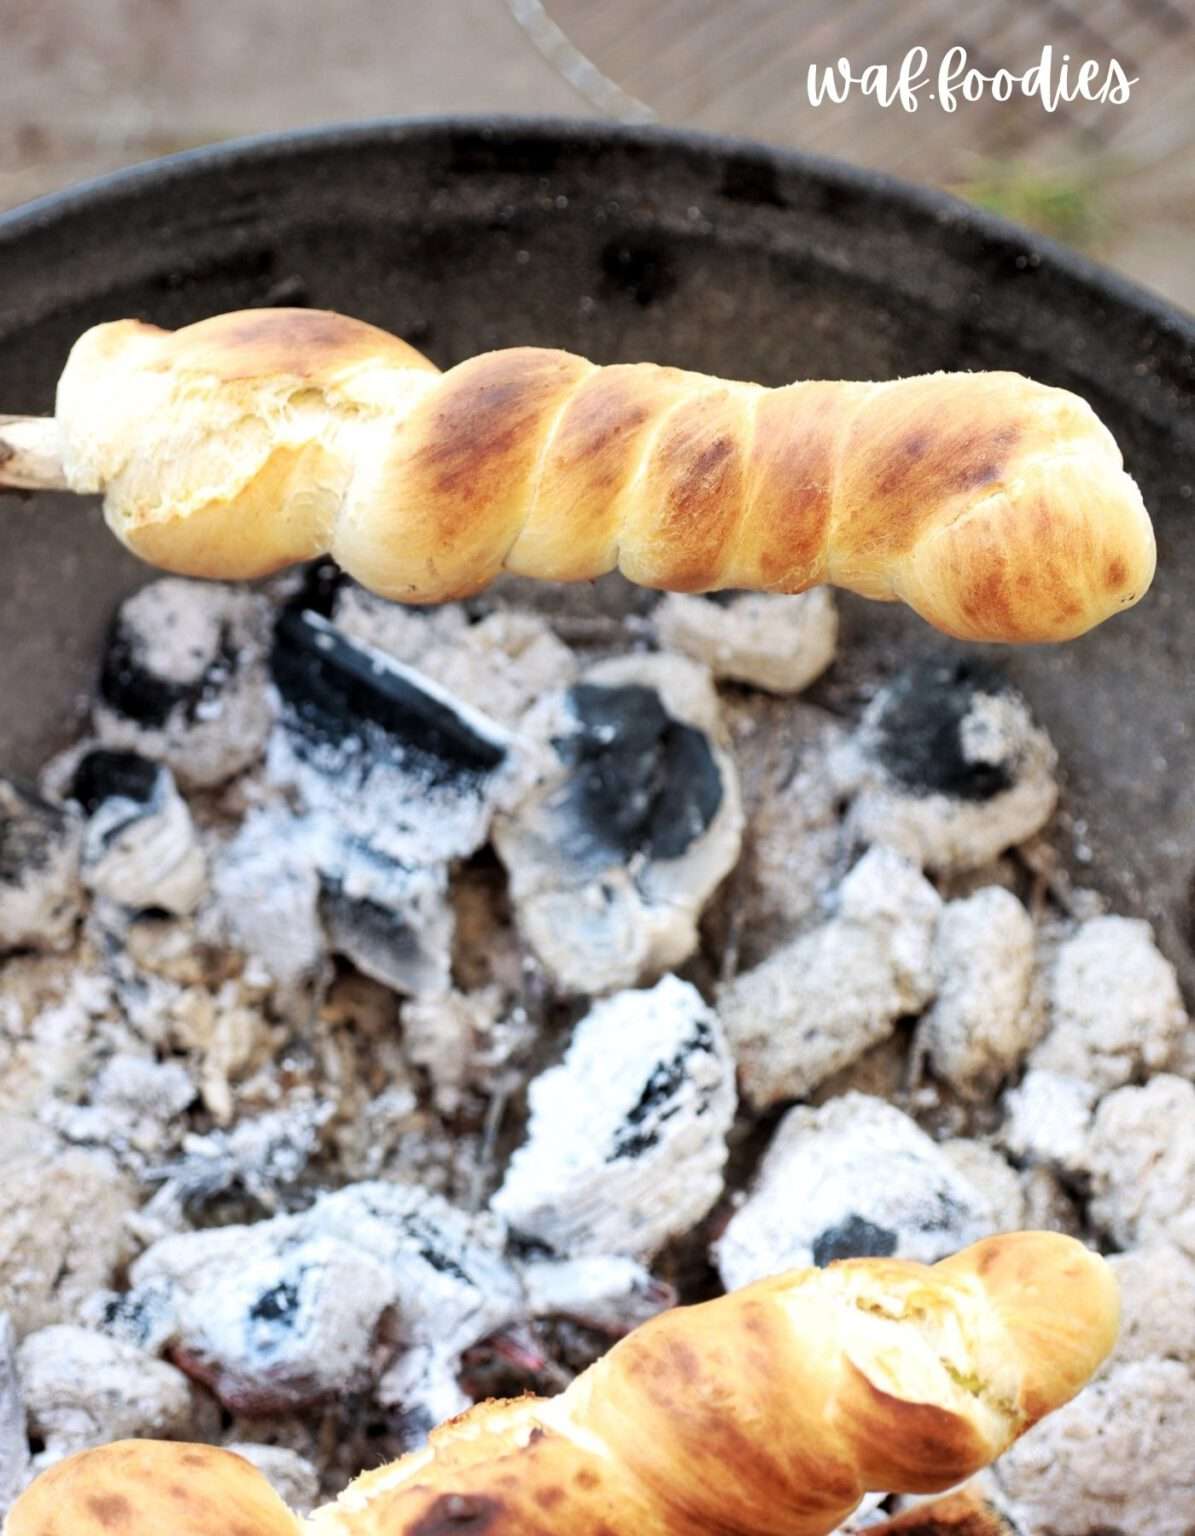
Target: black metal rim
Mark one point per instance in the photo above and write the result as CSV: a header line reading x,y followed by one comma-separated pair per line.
x,y
136,182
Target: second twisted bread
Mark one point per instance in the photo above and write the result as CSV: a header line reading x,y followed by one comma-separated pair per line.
x,y
768,1412
996,507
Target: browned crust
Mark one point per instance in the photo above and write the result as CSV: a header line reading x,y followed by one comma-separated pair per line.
x,y
964,1513
269,343
151,1488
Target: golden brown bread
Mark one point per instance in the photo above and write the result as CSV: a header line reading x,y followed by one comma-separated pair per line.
x,y
964,1513
765,1413
996,507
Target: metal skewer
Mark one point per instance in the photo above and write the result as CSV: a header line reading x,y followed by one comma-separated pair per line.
x,y
30,457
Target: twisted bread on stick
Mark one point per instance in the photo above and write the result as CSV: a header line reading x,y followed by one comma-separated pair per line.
x,y
995,507
766,1413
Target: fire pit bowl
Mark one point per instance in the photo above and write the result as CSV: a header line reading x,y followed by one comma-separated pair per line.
x,y
462,235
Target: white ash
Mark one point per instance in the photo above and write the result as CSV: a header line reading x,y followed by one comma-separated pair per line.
x,y
292,1477
1114,1009
1142,1161
407,634
267,888
983,1021
40,894
467,1043
1048,1121
948,767
49,1196
14,1433
1116,1459
134,1109
1157,1296
779,643
140,846
794,848
609,1292
821,1001
626,1145
855,1177
263,1156
82,1389
56,1024
635,820
501,665
184,679
269,1316
222,1028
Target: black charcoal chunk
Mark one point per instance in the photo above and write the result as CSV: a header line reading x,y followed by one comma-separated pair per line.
x,y
918,730
854,1176
392,921
349,706
104,775
402,770
642,782
130,686
633,819
140,847
853,1238
183,680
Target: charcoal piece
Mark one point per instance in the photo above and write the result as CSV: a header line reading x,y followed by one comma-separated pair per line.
x,y
129,685
271,1317
634,819
40,895
643,783
392,921
627,1138
405,770
853,1238
918,730
818,1003
947,767
182,679
140,847
267,884
106,775
768,640
82,1389
855,1171
354,703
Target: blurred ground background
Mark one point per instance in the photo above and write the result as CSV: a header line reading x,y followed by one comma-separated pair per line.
x,y
89,85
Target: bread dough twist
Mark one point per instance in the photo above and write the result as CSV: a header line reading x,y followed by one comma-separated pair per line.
x,y
769,1412
996,507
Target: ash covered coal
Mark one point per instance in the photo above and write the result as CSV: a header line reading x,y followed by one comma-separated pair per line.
x,y
140,849
634,820
183,679
406,1004
948,767
627,1139
39,871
